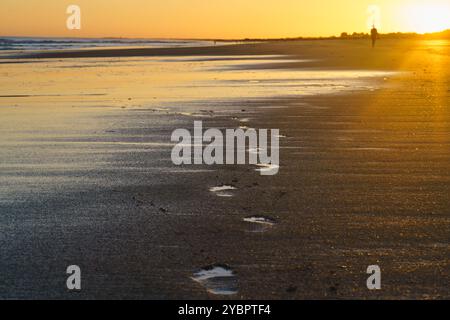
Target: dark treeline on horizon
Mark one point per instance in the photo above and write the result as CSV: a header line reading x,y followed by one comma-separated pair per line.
x,y
443,35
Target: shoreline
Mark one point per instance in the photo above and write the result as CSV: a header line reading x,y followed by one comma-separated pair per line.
x,y
352,191
356,54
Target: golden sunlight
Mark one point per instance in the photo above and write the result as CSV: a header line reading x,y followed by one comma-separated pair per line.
x,y
426,18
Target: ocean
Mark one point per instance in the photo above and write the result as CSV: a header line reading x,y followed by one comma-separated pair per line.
x,y
26,44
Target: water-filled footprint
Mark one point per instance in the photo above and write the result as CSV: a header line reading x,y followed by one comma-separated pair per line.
x,y
223,191
260,223
267,168
217,279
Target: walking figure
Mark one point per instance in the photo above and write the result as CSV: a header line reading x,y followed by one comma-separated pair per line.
x,y
374,35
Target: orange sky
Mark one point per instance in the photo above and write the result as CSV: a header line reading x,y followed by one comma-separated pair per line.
x,y
218,18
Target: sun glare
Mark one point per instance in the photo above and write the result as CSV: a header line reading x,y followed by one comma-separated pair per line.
x,y
425,18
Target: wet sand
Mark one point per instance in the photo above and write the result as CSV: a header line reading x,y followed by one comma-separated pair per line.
x,y
364,180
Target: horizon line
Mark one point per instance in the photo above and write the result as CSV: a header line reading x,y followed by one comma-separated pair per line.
x,y
225,39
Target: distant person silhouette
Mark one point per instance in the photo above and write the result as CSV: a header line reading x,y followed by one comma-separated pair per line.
x,y
374,36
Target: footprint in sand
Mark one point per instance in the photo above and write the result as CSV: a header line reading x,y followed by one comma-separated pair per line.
x,y
241,120
217,279
267,168
223,191
260,223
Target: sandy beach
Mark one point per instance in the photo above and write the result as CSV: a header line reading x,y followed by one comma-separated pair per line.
x,y
364,176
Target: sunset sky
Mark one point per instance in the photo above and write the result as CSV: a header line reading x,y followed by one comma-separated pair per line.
x,y
219,18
